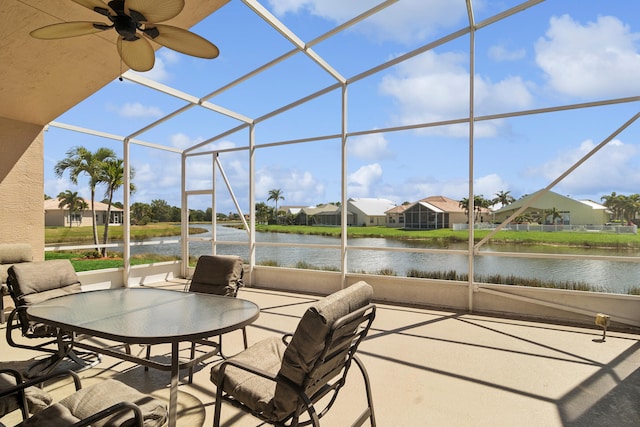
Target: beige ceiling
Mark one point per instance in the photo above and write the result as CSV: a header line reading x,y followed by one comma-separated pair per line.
x,y
41,79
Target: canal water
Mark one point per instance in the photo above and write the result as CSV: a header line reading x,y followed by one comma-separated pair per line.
x,y
604,276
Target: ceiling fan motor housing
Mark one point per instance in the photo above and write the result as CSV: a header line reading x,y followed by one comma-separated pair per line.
x,y
126,27
131,19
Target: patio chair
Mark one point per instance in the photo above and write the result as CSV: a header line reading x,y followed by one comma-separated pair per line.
x,y
278,381
11,253
28,400
108,403
33,282
216,275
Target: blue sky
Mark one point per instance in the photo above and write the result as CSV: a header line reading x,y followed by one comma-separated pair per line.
x,y
556,53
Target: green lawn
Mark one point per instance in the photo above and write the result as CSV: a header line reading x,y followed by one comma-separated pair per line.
x,y
138,232
83,235
561,238
82,263
84,260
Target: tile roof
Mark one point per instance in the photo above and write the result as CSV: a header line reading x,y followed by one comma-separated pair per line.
x,y
53,205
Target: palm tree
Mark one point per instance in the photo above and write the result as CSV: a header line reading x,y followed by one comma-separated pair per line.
x,y
79,160
73,202
275,195
504,198
160,210
479,202
633,207
140,213
263,211
464,205
113,177
554,213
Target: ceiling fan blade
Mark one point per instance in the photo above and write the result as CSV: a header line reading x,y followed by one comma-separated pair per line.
x,y
154,10
68,29
182,41
97,6
137,54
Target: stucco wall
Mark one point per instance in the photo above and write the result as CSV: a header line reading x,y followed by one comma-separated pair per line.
x,y
22,184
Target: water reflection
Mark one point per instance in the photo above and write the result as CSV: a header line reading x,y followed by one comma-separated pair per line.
x,y
603,275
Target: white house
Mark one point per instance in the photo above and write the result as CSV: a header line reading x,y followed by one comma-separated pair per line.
x,y
54,215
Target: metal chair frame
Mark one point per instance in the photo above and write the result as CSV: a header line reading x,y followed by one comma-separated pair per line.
x,y
107,412
63,341
218,344
328,375
22,398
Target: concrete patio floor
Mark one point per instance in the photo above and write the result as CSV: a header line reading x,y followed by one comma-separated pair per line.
x,y
429,367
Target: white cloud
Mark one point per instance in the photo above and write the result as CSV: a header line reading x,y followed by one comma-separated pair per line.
x,y
434,87
181,141
156,178
298,187
597,59
160,71
489,185
56,186
405,21
456,188
614,167
302,188
264,181
138,110
360,182
501,53
334,10
145,173
370,147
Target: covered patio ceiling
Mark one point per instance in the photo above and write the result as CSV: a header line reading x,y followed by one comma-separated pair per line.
x,y
43,79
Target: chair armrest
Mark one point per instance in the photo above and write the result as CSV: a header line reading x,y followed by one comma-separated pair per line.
x,y
37,381
256,371
14,373
17,376
244,367
286,338
114,409
14,324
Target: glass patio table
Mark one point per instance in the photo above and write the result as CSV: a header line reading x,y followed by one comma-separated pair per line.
x,y
147,316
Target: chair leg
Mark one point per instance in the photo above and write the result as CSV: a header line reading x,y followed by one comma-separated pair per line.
x,y
2,318
148,357
219,392
193,356
244,337
367,385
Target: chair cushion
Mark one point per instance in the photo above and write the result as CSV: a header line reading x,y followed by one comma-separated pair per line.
x,y
12,253
308,341
294,361
33,282
252,390
90,400
37,399
218,275
55,415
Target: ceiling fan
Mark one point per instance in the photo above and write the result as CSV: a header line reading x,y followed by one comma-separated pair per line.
x,y
136,22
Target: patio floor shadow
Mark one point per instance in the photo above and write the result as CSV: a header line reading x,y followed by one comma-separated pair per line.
x,y
429,367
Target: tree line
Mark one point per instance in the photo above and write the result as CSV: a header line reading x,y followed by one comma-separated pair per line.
x,y
105,169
